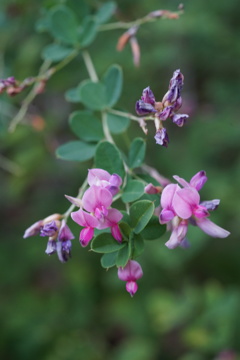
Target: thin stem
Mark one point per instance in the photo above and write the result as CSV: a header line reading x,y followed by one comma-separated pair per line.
x,y
89,65
130,116
106,131
124,25
10,166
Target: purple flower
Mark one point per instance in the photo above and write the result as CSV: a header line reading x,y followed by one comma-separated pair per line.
x,y
51,247
148,96
130,273
143,108
179,119
49,229
102,178
161,137
64,250
34,229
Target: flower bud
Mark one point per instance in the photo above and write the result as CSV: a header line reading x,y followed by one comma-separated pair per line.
x,y
161,137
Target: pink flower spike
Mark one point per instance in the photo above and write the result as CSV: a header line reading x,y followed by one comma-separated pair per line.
x,y
212,229
198,180
131,287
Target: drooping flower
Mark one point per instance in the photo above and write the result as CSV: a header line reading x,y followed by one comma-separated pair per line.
x,y
130,273
89,222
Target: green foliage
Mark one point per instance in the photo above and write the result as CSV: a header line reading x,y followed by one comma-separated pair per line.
x,y
105,243
88,31
117,124
140,214
133,191
76,151
56,52
92,95
137,153
86,126
112,80
109,158
153,230
105,12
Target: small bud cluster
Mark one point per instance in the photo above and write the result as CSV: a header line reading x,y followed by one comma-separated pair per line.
x,y
171,102
95,206
58,233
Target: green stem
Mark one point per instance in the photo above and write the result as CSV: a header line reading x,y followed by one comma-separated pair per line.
x,y
130,116
10,166
89,65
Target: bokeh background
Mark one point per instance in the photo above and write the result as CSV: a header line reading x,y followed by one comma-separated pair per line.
x,y
188,303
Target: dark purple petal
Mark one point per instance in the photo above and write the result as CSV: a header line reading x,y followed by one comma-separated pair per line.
x,y
143,108
211,204
179,119
65,233
148,96
161,137
165,113
172,95
64,250
49,229
177,79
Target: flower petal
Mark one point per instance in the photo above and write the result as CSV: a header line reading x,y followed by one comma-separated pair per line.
x,y
84,219
212,229
95,197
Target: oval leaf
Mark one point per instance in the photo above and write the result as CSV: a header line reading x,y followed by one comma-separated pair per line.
x,y
105,243
63,24
137,153
56,52
73,95
123,256
113,83
76,151
138,245
93,95
105,12
88,31
108,157
109,260
86,126
154,230
140,213
133,191
117,124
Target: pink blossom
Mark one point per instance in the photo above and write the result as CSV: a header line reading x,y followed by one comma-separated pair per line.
x,y
89,222
97,200
102,178
130,273
168,211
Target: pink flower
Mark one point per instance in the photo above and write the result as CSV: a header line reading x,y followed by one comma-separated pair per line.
x,y
182,204
130,273
89,222
102,178
97,200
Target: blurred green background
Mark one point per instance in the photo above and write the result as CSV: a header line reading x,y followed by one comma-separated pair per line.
x,y
188,303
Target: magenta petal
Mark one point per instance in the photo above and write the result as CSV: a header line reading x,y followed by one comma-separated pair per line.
x,y
95,176
86,236
168,194
114,215
84,219
95,197
166,216
132,271
212,229
116,233
131,287
200,212
198,180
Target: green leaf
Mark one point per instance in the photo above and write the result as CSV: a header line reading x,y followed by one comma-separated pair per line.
x,y
138,246
133,191
123,256
86,126
63,24
76,151
108,157
105,243
125,230
109,260
113,82
140,213
73,95
88,31
43,24
56,52
154,230
105,12
137,153
93,95
126,217
117,124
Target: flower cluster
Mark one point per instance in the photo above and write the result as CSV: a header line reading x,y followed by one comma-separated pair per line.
x,y
58,233
171,102
95,206
181,206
